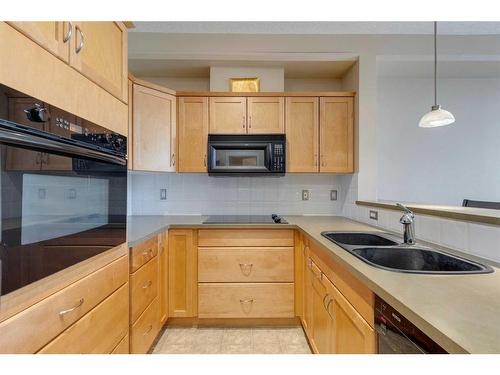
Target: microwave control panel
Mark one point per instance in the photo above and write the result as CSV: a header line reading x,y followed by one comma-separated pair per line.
x,y
278,160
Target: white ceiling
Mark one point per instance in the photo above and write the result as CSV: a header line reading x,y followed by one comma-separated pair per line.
x,y
373,28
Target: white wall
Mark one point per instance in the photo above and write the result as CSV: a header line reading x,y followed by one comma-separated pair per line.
x,y
199,194
181,83
438,165
312,84
271,79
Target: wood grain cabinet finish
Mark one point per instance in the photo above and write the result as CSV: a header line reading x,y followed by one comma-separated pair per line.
x,y
99,51
153,130
302,134
182,273
266,115
193,134
143,253
321,322
228,115
143,288
54,36
308,294
246,237
245,264
145,329
163,277
336,135
30,330
123,346
99,331
246,300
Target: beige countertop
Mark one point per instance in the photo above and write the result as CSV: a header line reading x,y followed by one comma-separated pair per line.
x,y
459,312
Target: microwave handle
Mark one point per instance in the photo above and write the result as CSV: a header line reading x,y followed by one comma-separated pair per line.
x,y
25,139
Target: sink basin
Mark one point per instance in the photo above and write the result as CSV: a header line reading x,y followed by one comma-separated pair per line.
x,y
417,260
358,239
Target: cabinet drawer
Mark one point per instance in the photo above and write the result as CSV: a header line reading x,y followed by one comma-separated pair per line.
x,y
266,300
98,332
34,327
142,253
245,264
245,237
144,288
123,346
144,331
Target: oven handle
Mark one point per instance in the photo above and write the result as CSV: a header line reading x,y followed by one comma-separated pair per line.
x,y
19,138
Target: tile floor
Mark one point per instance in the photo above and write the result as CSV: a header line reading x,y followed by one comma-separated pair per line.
x,y
180,340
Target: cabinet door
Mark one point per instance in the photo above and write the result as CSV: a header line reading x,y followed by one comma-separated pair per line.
x,y
53,36
302,134
228,115
163,276
336,135
308,295
153,129
321,319
182,273
266,115
99,51
193,134
350,333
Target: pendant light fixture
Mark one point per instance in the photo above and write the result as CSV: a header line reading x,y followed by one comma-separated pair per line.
x,y
437,116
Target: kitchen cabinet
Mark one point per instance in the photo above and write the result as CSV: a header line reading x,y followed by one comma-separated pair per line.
x,y
336,135
144,331
228,115
99,51
320,318
54,36
153,130
193,134
302,134
163,277
266,115
182,273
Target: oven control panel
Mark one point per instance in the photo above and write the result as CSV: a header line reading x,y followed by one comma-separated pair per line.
x,y
278,157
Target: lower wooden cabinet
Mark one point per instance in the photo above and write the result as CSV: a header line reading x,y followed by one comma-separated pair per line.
x,y
143,288
163,276
123,346
145,329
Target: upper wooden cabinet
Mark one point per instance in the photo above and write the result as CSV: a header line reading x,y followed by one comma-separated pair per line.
x,y
193,134
302,134
228,115
247,115
336,135
99,51
153,130
266,115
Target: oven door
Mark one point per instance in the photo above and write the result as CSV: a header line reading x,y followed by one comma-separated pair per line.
x,y
242,159
61,203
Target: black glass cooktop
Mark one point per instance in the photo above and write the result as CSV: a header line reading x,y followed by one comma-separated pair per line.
x,y
244,219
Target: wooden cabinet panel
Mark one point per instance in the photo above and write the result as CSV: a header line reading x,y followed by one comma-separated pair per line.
x,y
182,273
98,332
302,134
321,319
154,130
31,329
228,115
247,237
52,35
261,300
336,135
266,115
193,134
245,264
123,345
145,329
143,288
308,294
142,253
163,276
99,51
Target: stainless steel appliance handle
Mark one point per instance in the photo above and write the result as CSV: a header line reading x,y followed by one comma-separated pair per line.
x,y
20,138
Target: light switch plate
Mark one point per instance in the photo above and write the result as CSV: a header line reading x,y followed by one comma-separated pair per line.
x,y
163,194
374,215
306,195
333,195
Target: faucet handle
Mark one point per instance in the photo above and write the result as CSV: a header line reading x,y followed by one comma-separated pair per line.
x,y
405,209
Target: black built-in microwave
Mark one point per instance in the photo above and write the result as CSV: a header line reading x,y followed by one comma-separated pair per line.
x,y
246,155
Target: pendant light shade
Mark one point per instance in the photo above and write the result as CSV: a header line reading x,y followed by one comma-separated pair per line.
x,y
437,116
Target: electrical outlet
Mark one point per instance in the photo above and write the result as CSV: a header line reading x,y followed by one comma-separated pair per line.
x,y
42,193
374,215
333,195
72,194
163,194
306,195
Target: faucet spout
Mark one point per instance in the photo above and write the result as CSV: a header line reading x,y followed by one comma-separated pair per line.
x,y
408,225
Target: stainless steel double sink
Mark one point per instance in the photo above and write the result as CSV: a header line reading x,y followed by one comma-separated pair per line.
x,y
385,251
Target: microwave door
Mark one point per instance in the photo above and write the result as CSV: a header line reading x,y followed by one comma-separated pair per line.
x,y
242,158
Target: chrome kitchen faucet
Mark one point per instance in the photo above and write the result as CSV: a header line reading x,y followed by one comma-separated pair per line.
x,y
408,221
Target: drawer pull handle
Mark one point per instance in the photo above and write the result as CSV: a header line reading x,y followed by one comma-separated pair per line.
x,y
324,299
148,253
246,268
64,312
79,47
149,330
328,307
246,300
147,285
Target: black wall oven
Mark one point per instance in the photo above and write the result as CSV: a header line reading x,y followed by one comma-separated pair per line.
x,y
63,189
246,155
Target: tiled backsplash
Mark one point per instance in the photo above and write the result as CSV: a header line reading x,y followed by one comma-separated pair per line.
x,y
195,194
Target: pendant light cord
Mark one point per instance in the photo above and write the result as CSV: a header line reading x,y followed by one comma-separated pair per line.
x,y
435,63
